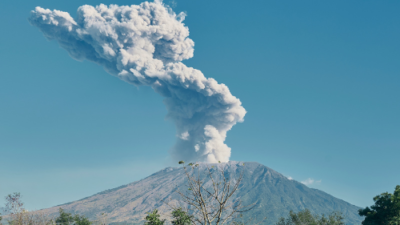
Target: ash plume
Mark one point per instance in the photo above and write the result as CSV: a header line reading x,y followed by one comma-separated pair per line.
x,y
144,45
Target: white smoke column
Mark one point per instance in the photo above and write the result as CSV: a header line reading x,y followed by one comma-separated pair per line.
x,y
144,45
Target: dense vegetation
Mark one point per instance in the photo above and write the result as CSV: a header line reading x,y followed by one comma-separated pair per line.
x,y
386,209
67,219
153,218
306,217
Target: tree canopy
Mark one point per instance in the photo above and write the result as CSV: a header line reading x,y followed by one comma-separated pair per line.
x,y
67,218
306,217
386,209
180,217
153,218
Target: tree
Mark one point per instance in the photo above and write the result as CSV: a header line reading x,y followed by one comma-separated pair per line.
x,y
211,203
153,218
386,209
17,215
64,218
305,217
14,205
81,220
15,208
67,219
181,217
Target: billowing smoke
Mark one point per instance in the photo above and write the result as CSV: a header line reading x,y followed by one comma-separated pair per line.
x,y
144,45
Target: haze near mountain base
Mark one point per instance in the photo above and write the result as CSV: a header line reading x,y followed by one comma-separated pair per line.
x,y
144,45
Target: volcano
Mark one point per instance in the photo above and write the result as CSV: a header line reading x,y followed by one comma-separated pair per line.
x,y
274,195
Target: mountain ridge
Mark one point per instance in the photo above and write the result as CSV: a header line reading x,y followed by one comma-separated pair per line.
x,y
273,192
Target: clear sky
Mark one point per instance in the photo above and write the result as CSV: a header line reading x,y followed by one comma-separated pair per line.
x,y
320,81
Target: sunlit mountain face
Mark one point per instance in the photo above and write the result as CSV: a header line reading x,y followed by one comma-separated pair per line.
x,y
274,195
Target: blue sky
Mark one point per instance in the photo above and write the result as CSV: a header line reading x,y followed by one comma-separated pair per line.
x,y
320,81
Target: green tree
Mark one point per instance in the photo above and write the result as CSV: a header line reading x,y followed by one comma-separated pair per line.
x,y
305,217
153,218
67,218
181,217
386,209
81,220
64,218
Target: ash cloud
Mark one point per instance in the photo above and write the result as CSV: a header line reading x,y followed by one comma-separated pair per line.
x,y
144,45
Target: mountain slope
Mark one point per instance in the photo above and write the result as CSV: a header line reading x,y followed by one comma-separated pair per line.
x,y
274,194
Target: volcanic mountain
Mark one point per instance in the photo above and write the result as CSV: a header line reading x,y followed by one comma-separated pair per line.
x,y
274,195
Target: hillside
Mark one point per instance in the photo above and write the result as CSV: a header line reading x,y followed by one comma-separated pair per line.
x,y
274,194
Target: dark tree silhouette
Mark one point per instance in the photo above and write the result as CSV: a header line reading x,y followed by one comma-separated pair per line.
x,y
386,209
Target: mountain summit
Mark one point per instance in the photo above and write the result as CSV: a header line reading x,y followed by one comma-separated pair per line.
x,y
274,194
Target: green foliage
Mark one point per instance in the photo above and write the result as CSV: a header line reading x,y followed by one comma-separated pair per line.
x,y
67,218
386,209
306,217
181,217
64,218
181,162
1,218
81,220
153,218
